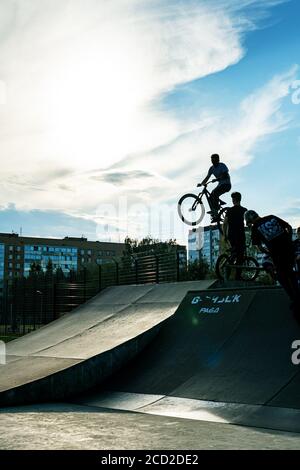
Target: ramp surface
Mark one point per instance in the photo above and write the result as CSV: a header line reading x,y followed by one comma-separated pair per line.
x,y
85,346
222,346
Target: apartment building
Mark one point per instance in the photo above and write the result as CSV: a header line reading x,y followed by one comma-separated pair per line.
x,y
18,253
204,242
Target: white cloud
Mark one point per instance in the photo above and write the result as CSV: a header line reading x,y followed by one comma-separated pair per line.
x,y
235,135
81,73
290,210
82,80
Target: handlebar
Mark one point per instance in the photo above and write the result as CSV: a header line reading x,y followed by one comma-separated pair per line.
x,y
206,184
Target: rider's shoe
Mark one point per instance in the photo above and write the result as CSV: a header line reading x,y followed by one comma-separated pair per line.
x,y
214,215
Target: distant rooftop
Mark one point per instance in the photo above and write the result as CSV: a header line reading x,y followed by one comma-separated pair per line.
x,y
80,239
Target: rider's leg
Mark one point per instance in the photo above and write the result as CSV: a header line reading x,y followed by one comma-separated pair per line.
x,y
215,194
240,254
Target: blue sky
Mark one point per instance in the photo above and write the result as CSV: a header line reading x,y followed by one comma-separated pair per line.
x,y
109,111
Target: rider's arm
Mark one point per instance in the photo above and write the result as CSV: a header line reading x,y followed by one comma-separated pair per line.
x,y
207,177
256,240
205,180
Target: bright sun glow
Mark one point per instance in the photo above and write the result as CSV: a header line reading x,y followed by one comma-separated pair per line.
x,y
95,100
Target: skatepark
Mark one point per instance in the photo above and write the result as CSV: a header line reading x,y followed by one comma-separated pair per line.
x,y
187,365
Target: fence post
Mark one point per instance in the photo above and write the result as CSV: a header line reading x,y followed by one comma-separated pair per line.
x,y
24,304
99,277
6,306
136,271
84,284
54,300
14,307
117,273
177,266
157,269
34,303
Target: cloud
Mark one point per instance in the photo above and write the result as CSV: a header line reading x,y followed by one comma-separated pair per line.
x,y
84,81
81,73
118,178
233,133
36,223
291,212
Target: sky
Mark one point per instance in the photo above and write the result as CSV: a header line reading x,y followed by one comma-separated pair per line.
x,y
110,110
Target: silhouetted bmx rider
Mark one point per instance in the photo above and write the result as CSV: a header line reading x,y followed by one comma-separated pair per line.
x,y
221,174
276,235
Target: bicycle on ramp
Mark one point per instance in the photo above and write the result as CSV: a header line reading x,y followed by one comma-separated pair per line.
x,y
191,209
227,263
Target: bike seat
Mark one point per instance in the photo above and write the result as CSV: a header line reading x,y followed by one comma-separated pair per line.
x,y
222,203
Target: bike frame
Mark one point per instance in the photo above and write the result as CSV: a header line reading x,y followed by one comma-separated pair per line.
x,y
232,257
202,193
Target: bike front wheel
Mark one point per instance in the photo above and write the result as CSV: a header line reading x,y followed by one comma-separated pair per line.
x,y
190,210
223,270
250,270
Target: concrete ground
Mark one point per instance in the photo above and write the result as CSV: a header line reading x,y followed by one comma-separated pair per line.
x,y
72,427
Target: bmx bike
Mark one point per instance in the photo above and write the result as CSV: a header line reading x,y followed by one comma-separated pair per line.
x,y
227,263
191,209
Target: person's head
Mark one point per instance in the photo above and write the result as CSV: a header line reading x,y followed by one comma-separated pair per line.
x,y
250,217
215,159
298,232
236,198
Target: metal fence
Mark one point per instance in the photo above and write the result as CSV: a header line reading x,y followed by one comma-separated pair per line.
x,y
29,303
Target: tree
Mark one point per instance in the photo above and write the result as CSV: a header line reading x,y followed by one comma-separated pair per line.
x,y
49,268
35,269
59,274
32,270
147,245
72,275
198,269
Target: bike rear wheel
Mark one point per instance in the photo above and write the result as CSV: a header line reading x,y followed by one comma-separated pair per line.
x,y
221,217
190,210
223,270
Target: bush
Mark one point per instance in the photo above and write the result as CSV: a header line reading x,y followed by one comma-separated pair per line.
x,y
196,270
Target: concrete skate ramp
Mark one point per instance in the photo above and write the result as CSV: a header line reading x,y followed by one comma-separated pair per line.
x,y
226,346
85,346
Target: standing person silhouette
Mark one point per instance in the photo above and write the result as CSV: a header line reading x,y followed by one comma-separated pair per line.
x,y
234,230
221,174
